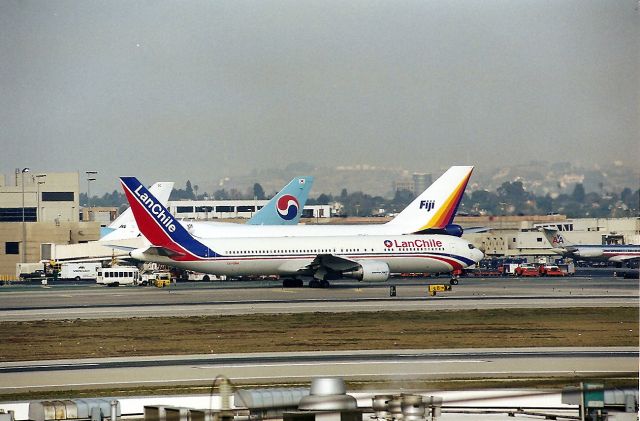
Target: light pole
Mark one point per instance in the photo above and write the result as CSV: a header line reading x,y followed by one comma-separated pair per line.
x,y
24,225
90,178
38,183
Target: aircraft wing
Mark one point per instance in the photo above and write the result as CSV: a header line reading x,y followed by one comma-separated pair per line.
x,y
329,266
333,262
153,250
162,251
472,230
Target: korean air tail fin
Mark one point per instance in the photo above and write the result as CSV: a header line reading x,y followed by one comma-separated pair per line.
x,y
436,207
158,226
285,208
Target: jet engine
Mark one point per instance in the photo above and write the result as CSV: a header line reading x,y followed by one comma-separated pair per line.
x,y
453,229
370,271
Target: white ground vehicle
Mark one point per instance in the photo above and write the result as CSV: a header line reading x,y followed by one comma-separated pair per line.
x,y
157,277
118,275
30,271
196,276
147,278
79,271
510,268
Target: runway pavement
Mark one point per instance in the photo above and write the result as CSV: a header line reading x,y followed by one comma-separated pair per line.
x,y
391,366
184,299
223,298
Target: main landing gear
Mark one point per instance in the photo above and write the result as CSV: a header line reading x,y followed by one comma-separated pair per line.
x,y
292,283
319,283
298,283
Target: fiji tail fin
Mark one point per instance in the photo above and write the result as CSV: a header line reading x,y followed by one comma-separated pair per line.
x,y
158,226
124,226
555,238
285,208
436,207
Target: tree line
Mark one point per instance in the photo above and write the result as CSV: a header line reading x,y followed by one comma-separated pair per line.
x,y
509,199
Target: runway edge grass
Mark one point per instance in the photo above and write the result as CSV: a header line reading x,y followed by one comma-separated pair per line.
x,y
92,338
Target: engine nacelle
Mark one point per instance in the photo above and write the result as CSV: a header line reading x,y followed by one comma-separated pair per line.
x,y
370,271
453,229
588,253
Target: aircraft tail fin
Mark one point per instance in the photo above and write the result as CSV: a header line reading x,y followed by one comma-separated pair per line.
x,y
436,207
124,226
158,226
555,237
285,208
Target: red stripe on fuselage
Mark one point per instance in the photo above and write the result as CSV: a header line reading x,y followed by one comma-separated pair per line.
x,y
453,263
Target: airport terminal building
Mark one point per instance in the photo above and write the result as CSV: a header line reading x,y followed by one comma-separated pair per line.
x,y
511,236
36,209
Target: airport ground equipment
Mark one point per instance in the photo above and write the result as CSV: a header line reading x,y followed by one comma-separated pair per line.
x,y
205,277
165,413
71,409
327,394
79,271
118,275
175,413
551,271
327,401
269,403
599,404
406,407
7,416
568,268
527,270
30,271
163,279
435,288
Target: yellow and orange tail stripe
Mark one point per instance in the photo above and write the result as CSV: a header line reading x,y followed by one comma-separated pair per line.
x,y
447,211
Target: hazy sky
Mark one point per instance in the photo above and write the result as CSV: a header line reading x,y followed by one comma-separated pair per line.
x,y
201,89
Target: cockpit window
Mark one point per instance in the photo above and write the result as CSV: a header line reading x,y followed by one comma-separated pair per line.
x,y
471,246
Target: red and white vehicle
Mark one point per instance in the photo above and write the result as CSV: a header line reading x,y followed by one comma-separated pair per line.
x,y
551,271
527,270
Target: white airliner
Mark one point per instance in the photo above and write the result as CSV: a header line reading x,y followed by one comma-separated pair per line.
x,y
432,212
617,253
368,258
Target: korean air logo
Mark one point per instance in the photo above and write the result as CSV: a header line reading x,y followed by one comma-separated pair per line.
x,y
388,243
427,204
287,207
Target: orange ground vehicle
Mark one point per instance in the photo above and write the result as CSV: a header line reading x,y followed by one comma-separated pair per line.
x,y
551,271
527,270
